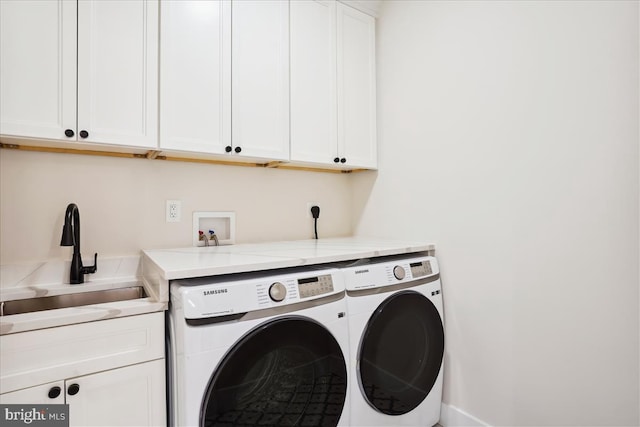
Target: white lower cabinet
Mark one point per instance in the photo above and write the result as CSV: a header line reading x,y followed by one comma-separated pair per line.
x,y
51,393
110,373
129,396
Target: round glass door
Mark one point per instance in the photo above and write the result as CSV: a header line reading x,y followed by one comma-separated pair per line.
x,y
286,372
401,353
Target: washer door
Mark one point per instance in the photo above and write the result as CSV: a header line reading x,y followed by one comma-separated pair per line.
x,y
401,353
286,372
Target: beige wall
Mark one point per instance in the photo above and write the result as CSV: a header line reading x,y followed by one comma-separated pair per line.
x,y
122,203
508,135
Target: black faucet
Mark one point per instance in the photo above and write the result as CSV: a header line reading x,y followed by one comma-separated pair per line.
x,y
71,237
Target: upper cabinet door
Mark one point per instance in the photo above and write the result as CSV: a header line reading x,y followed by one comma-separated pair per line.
x,y
356,88
38,68
260,78
313,81
118,72
195,75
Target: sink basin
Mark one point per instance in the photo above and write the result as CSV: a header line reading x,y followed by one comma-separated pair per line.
x,y
71,300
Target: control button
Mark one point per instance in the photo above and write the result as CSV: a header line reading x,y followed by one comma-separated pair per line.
x,y
399,272
277,292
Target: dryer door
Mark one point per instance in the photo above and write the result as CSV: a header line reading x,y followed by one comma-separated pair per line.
x,y
401,352
287,372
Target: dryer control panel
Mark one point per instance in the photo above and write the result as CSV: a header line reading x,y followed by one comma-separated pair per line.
x,y
421,268
389,272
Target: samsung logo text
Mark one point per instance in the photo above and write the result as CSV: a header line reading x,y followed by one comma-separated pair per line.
x,y
215,291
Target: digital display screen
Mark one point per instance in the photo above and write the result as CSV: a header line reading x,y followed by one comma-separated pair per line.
x,y
315,286
419,269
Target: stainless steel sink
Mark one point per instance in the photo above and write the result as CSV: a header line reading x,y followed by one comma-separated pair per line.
x,y
71,300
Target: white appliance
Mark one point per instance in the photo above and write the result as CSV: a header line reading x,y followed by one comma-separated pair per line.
x,y
396,330
258,349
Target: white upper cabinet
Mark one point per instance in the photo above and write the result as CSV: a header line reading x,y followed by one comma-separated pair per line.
x,y
195,75
224,77
260,78
313,81
248,79
118,72
38,68
356,88
333,109
80,71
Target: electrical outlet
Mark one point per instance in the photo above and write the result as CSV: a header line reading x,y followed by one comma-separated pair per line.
x,y
174,209
309,204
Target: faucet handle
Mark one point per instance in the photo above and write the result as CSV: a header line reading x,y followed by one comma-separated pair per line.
x,y
91,268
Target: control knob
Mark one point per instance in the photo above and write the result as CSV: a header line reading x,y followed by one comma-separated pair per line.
x,y
277,291
399,272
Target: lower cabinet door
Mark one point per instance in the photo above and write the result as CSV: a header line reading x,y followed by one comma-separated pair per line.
x,y
51,393
129,396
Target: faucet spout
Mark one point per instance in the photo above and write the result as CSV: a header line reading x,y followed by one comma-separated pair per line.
x,y
71,237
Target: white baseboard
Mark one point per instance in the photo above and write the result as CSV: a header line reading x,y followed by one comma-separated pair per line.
x,y
450,416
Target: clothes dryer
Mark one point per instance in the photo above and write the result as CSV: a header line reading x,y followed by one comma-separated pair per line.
x,y
259,350
396,330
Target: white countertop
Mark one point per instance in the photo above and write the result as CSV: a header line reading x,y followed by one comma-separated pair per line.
x,y
50,278
161,265
182,263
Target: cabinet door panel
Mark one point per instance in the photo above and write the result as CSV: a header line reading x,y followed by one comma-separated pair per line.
x,y
313,81
356,87
195,75
38,395
37,68
129,396
118,71
46,355
260,78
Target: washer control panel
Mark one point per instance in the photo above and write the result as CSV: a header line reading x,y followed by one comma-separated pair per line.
x,y
399,272
277,292
213,297
313,286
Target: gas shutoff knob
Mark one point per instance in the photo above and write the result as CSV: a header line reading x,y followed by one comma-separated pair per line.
x,y
277,292
399,272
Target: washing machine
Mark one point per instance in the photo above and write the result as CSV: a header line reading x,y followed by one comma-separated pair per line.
x,y
396,329
265,349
